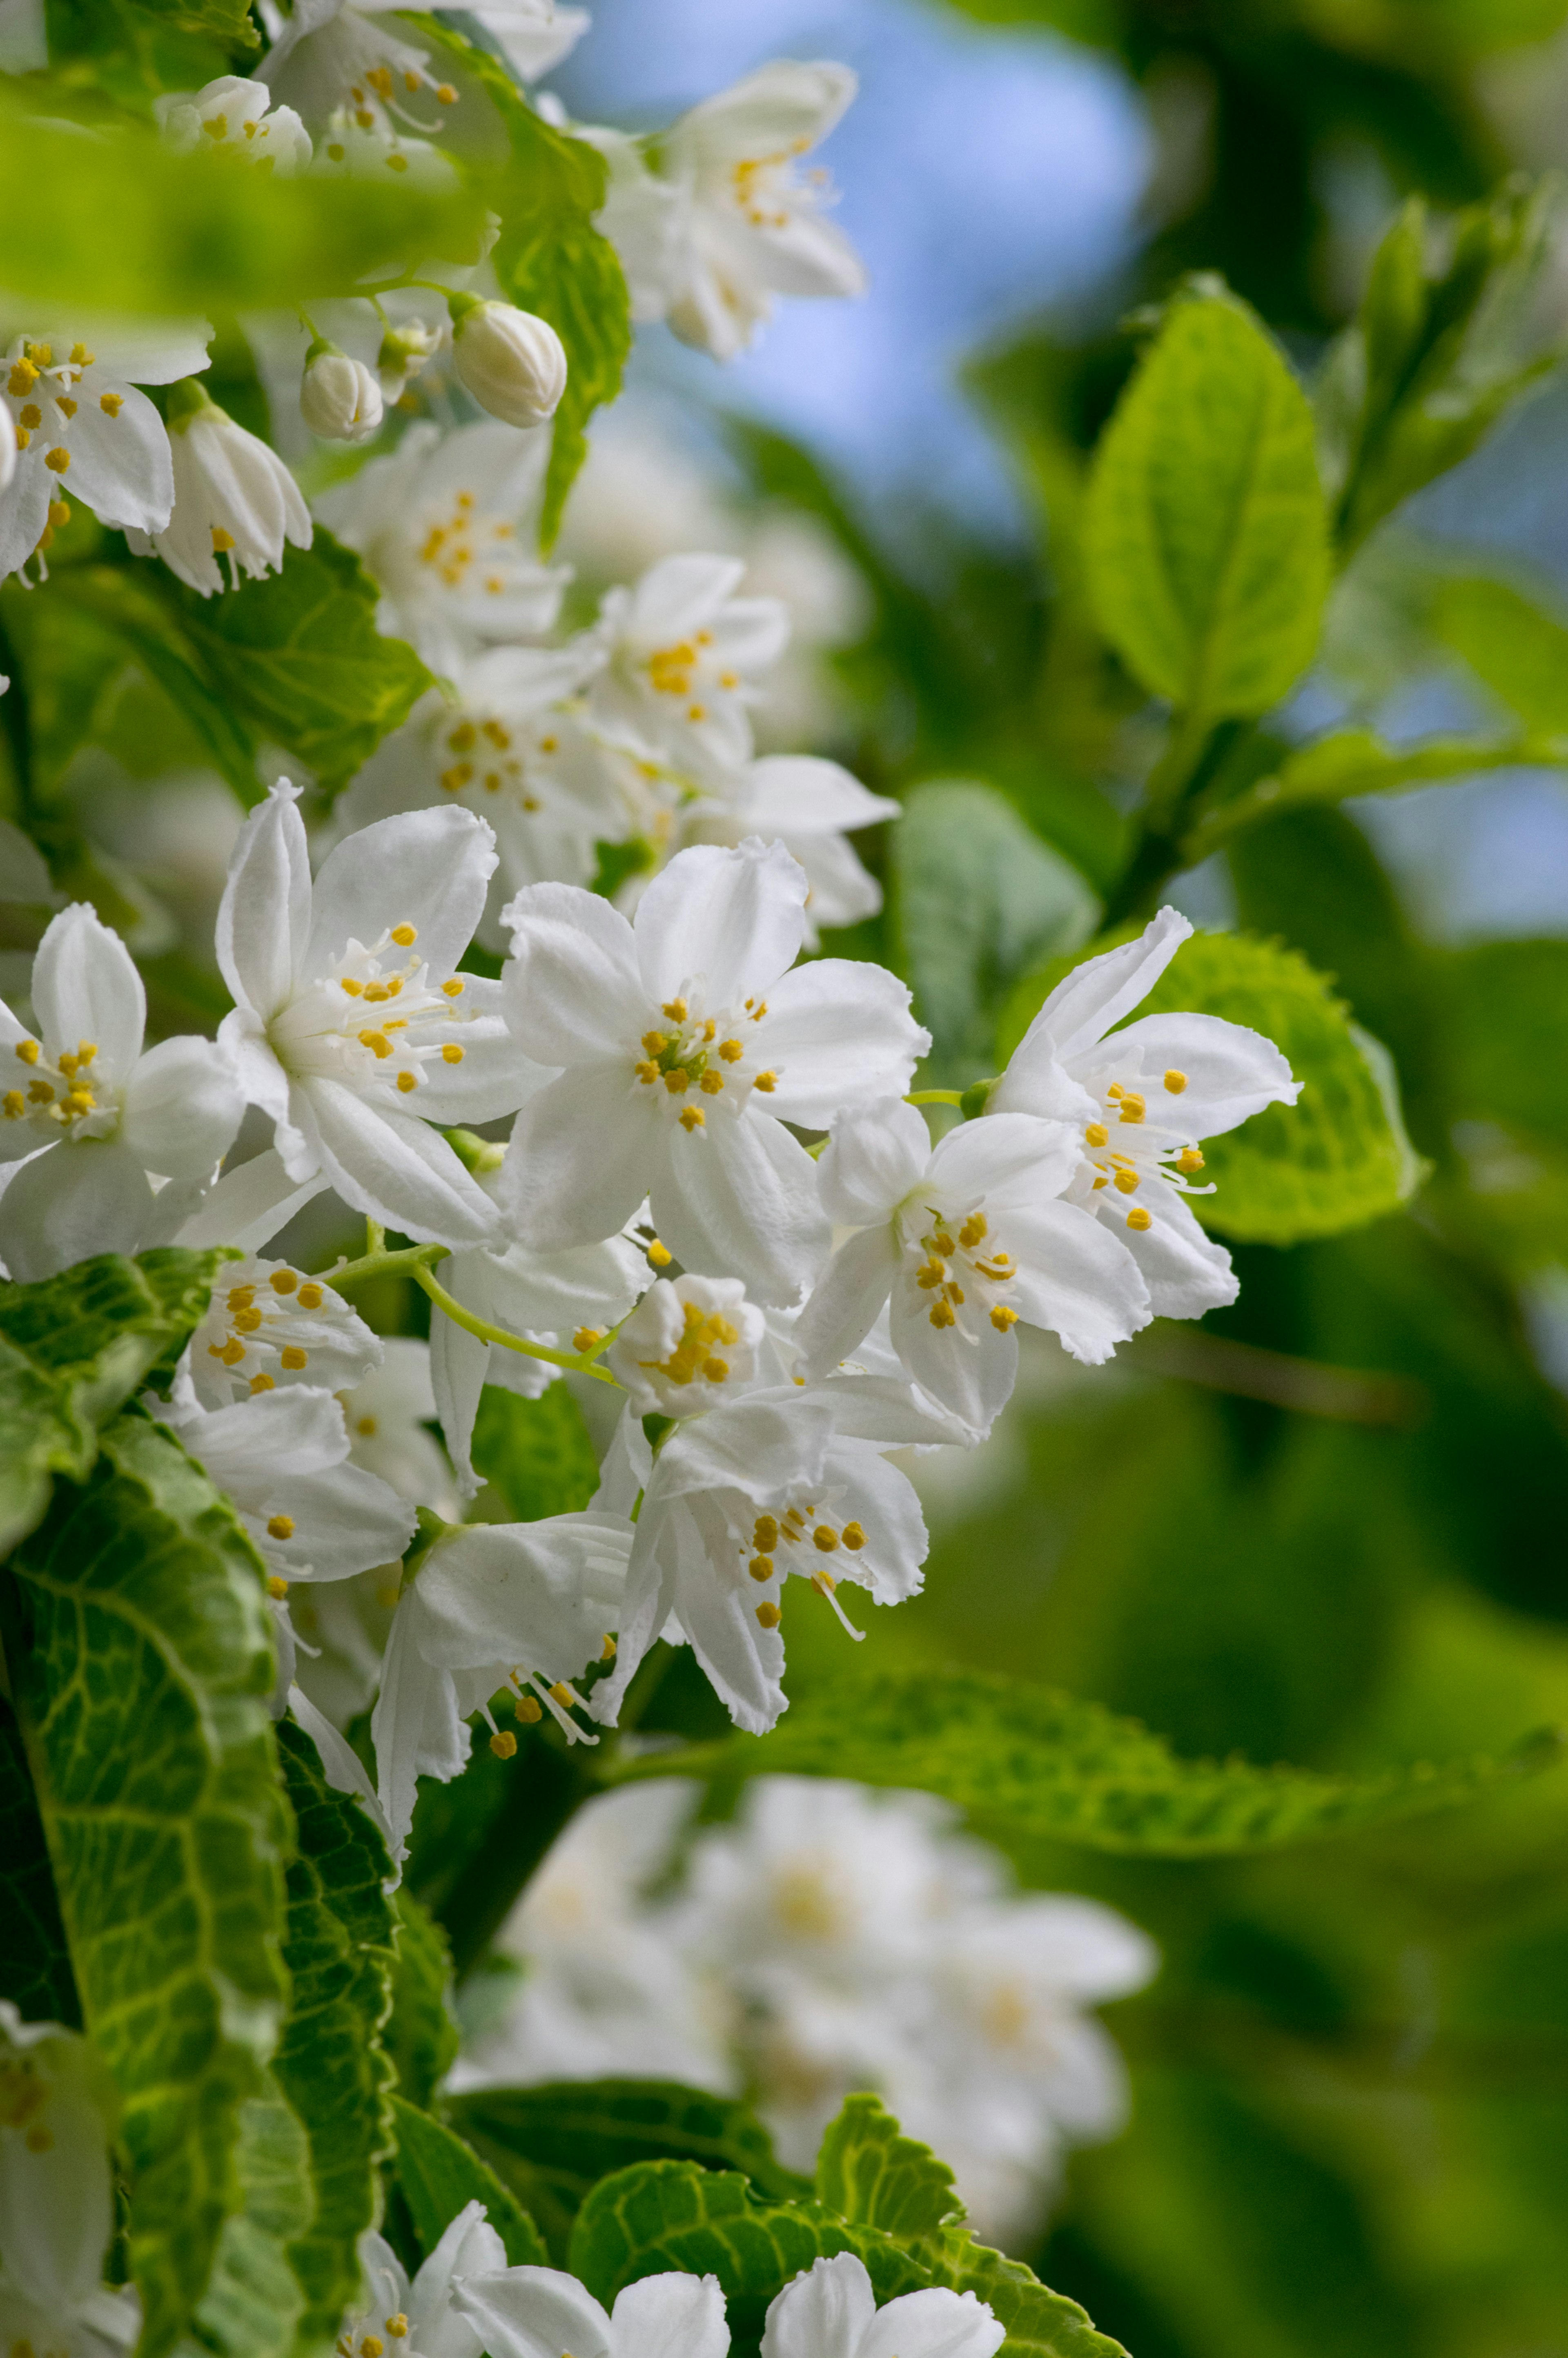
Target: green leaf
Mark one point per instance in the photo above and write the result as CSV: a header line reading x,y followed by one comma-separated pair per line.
x,y
1040,2323
126,601
331,2065
142,1655
553,2143
1507,1036
535,1453
869,2171
438,2173
979,900
1355,761
136,227
421,2036
1519,651
1046,1763
35,1966
1206,543
253,2305
549,258
299,658
72,1350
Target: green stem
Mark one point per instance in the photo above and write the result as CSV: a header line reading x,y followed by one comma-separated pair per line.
x,y
581,1362
934,1096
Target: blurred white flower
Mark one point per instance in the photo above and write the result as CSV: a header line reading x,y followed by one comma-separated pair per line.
x,y
387,1413
327,56
810,807
232,116
682,660
56,2197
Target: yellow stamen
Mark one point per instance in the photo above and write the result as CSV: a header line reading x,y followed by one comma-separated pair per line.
x,y
503,1743
1175,1082
769,1616
1139,1218
280,1527
293,1358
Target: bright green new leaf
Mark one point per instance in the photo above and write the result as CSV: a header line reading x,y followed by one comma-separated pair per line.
x,y
420,2036
35,1966
535,1453
1040,2323
1519,651
869,2171
549,258
1355,761
979,900
132,602
438,2173
1507,1036
1047,1763
331,2065
254,2305
1205,539
143,1664
553,2143
72,1350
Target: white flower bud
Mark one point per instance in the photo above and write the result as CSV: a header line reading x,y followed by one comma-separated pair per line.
x,y
512,363
341,398
404,352
234,497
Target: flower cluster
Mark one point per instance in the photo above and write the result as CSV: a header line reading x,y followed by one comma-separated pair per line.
x,y
830,1939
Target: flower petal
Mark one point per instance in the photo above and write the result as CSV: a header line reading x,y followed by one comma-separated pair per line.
x,y
678,595
415,1728
838,1030
460,1364
735,919
738,1199
764,112
848,1294
182,1105
1011,1159
249,1204
544,1593
573,992
671,2316
883,1502
1086,1002
1185,1271
580,1158
933,2323
393,1169
972,1378
759,1446
427,869
86,986
120,464
69,1202
263,918
787,794
877,1155
1070,1283
1231,1072
535,2313
715,1602
344,1519
824,2313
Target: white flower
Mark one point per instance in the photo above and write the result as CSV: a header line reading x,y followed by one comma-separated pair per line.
x,y
512,362
387,1412
425,2319
80,427
643,216
810,807
753,226
232,497
683,654
7,449
1140,1100
606,1990
540,2313
232,116
94,1115
281,1458
508,748
339,398
685,1340
356,144
56,2198
830,2311
967,1239
447,525
329,56
526,1606
687,1043
267,1325
350,1021
405,349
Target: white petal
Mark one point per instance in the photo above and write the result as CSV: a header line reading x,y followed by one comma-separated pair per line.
x,y
740,1198
1231,1072
1085,1949
1086,1002
535,2313
838,1031
765,112
460,1363
848,1297
120,465
787,794
572,988
883,1502
1034,1083
468,2246
715,1602
971,1379
877,1154
671,2317
580,1158
735,919
678,596
1009,1158
86,986
394,1169
340,1764
76,1200
182,1108
242,1037
249,1205
824,2313
263,919
426,868
344,1520
936,2323
542,1594
494,1079
415,1728
1186,1272
1069,1282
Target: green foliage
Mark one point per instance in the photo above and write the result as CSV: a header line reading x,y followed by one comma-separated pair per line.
x,y
72,1350
1353,761
331,2065
535,1454
195,233
142,1659
554,2142
1050,1764
1519,651
437,2173
254,2305
1204,533
1507,1035
980,901
420,2036
36,1966
550,259
869,2171
1040,2323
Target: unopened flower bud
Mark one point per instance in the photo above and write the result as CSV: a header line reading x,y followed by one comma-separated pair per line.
x,y
404,352
512,363
339,398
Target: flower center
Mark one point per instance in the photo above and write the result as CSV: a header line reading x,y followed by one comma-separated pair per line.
x,y
377,1021
705,1058
1125,1148
262,1323
499,759
57,1101
708,1334
965,1271
765,187
376,74
819,1534
689,671
455,541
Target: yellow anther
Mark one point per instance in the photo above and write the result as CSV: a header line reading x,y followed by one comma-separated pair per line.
x,y
366,1427
659,1254
729,679
1126,1182
716,1370
503,1743
693,1118
65,406
407,1081
854,1538
380,79
32,418
461,740
767,1083
451,1054
26,1052
346,982
405,936
445,92
943,1315
453,989
825,1538
954,1292
79,1101
654,1043
607,1651
1131,1108
647,1074
560,1693
1189,1159
766,1534
941,1242
23,377
731,1051
310,1297
247,1321
1116,1091
711,1084
769,1615
16,1105
931,1274
453,781
758,1012
1002,1318
1139,1218
280,1527
973,1231
293,1358
276,1586
1096,1134
398,2326
283,1280
675,1010
59,512
261,1384
40,1092
678,1080
377,1041
760,1567
529,1710
377,991
110,403
216,126
241,1296
1175,1082
697,712
1102,1181
223,540
498,737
